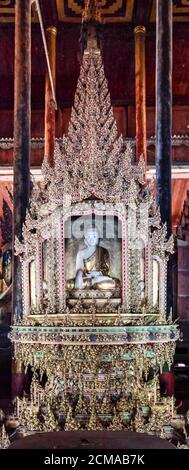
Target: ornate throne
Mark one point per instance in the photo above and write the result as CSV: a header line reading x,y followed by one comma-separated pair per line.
x,y
94,263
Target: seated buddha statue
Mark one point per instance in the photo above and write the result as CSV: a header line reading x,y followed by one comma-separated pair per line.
x,y
5,273
92,265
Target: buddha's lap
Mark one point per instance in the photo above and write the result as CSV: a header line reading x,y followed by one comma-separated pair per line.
x,y
103,284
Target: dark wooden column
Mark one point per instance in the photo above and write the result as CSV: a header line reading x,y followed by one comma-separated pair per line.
x,y
164,121
50,124
183,269
22,116
164,109
140,92
183,279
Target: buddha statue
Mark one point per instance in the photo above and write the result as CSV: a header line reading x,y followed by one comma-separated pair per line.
x,y
5,273
7,267
93,265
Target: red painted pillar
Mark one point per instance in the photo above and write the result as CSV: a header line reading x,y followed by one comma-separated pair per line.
x,y
167,384
50,123
140,92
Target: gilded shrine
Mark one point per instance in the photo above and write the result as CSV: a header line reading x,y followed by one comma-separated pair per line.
x,y
94,270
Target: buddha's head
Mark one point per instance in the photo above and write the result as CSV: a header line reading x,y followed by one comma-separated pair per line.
x,y
91,236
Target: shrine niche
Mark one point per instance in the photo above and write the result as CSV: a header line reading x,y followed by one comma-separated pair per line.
x,y
94,263
93,260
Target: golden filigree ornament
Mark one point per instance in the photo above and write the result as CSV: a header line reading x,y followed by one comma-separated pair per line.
x,y
91,12
116,424
94,423
71,424
4,438
139,421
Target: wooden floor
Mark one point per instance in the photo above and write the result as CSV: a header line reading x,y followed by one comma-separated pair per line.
x,y
91,440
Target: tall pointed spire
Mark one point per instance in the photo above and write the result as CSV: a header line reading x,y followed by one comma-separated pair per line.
x,y
91,12
96,159
91,21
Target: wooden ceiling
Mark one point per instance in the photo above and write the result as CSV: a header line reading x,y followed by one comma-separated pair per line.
x,y
117,48
122,11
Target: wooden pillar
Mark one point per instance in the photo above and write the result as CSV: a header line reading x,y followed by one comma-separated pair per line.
x,y
22,120
167,384
18,379
164,109
164,121
140,92
183,280
50,123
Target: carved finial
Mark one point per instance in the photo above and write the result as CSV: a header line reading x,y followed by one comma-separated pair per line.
x,y
91,12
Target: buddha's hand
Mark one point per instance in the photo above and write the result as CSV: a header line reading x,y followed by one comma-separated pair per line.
x,y
95,274
79,280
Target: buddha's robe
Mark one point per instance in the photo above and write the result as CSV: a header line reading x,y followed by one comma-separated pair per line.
x,y
98,262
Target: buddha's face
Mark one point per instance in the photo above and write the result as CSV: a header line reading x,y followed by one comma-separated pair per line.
x,y
91,237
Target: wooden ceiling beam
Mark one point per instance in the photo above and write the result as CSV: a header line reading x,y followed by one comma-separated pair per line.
x,y
141,12
49,12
